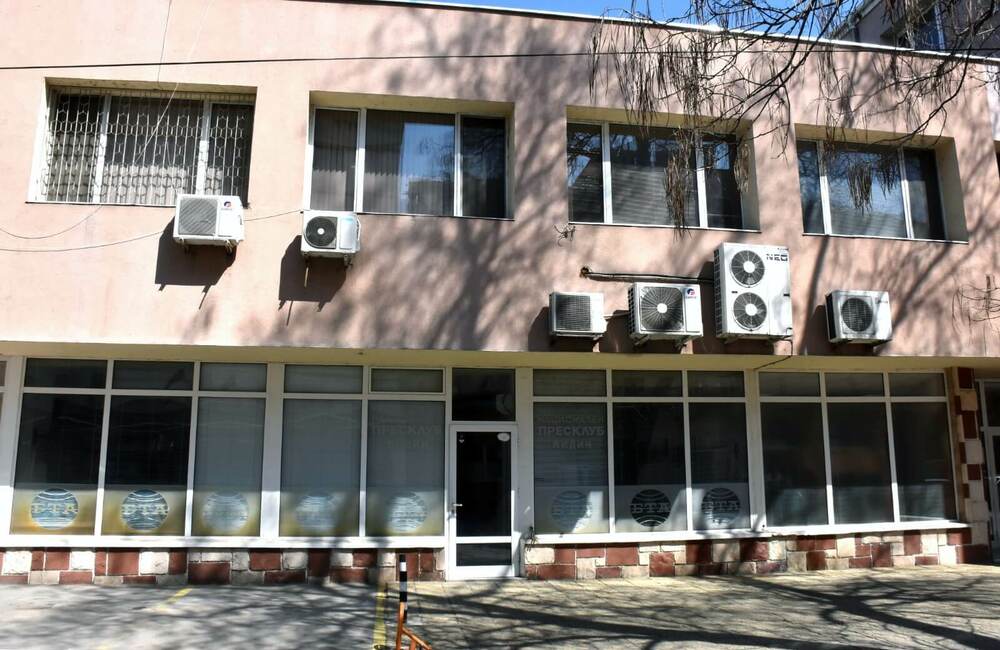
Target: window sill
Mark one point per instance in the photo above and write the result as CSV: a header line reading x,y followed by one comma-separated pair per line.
x,y
121,541
433,216
786,531
662,226
246,206
882,237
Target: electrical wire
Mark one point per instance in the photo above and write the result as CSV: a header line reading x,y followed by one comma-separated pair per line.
x,y
125,241
804,49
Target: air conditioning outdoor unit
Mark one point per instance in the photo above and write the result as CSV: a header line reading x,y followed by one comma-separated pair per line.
x,y
752,292
212,220
577,314
330,234
664,311
858,316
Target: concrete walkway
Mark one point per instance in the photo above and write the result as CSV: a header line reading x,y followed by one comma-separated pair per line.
x,y
931,607
927,607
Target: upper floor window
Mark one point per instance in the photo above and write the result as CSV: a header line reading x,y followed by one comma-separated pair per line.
x,y
927,33
904,199
619,174
409,163
143,147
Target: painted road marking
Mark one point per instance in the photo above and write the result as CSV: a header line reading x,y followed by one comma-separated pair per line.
x,y
378,633
162,607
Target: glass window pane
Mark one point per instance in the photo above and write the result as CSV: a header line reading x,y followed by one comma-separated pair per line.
x,y
884,216
320,467
152,149
480,394
585,173
715,384
646,383
409,163
147,467
925,195
859,461
73,133
789,384
812,203
335,142
397,380
916,384
153,375
639,162
405,493
722,193
571,468
482,554
923,461
228,457
570,383
650,477
227,170
991,402
323,379
484,167
854,384
65,373
794,464
3,372
58,455
720,487
243,377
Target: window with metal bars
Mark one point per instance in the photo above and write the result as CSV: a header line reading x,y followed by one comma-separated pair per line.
x,y
144,147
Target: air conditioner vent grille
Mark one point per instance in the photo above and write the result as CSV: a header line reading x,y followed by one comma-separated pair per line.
x,y
197,216
857,314
661,309
321,232
749,311
747,268
573,313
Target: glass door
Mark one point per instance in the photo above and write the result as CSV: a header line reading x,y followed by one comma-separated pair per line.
x,y
481,543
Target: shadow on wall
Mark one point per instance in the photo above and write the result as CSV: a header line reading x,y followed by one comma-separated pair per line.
x,y
192,266
426,282
316,280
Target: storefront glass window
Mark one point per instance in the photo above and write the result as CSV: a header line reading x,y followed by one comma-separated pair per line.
x,y
228,457
320,467
720,490
405,491
794,464
145,483
571,468
650,475
482,394
923,461
415,380
859,460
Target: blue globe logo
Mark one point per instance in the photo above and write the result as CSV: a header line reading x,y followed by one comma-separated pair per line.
x,y
317,512
720,506
54,508
650,508
407,512
144,510
226,512
571,509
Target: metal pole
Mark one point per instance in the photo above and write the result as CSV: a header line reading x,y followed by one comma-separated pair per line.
x,y
401,559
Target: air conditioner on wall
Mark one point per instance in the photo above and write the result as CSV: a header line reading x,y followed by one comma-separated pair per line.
x,y
858,316
211,220
330,234
577,314
664,311
752,292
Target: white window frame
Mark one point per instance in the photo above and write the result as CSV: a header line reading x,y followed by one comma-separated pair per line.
x,y
359,161
700,183
686,400
824,189
274,397
887,400
40,165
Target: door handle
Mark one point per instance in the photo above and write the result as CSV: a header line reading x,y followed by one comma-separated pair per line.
x,y
456,505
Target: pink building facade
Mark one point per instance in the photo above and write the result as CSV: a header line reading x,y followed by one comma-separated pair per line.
x,y
200,414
